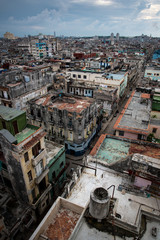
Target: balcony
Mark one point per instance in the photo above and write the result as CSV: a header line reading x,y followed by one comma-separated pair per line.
x,y
42,196
41,176
41,155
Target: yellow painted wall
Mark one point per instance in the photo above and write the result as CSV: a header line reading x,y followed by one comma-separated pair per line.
x,y
27,166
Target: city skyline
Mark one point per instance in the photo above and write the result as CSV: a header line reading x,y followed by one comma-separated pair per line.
x,y
80,17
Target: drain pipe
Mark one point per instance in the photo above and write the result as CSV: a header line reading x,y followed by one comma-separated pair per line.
x,y
113,189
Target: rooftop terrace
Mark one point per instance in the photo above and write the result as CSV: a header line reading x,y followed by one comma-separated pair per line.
x,y
29,130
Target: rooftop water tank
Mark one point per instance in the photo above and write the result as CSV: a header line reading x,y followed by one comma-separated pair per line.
x,y
99,203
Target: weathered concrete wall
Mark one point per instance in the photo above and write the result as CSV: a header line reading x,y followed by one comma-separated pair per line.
x,y
14,169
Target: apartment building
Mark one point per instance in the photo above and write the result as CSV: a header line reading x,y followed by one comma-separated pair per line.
x,y
17,87
102,94
23,159
41,48
108,80
56,163
153,73
67,119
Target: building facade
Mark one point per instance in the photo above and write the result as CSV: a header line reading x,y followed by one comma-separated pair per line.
x,y
17,87
56,162
107,80
153,73
67,119
23,159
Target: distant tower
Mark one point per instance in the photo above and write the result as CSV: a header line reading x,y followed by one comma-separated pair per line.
x,y
54,34
112,38
117,37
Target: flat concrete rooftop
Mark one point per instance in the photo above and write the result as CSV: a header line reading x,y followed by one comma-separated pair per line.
x,y
88,232
111,149
70,104
52,149
128,206
136,113
9,113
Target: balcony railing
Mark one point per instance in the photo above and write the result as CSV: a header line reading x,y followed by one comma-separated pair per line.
x,y
41,176
35,160
42,196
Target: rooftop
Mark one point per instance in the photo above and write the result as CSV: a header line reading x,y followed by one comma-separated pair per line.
x,y
59,222
111,149
9,113
71,104
128,206
115,76
135,115
52,149
29,130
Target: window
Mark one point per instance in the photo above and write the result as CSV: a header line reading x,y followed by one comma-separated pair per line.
x,y
62,163
79,76
4,124
84,77
26,157
149,74
39,168
74,75
121,133
36,149
30,176
154,130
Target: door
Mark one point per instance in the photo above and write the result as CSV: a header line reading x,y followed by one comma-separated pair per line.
x,y
15,126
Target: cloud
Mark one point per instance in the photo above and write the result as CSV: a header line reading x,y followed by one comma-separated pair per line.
x,y
95,2
81,17
151,11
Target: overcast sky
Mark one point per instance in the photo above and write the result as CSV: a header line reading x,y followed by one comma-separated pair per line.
x,y
80,17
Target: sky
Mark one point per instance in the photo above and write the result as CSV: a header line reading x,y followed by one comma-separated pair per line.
x,y
80,17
